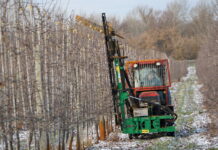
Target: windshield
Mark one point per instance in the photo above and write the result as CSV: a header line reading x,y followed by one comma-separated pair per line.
x,y
147,76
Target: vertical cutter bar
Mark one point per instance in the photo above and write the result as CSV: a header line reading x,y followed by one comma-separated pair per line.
x,y
110,66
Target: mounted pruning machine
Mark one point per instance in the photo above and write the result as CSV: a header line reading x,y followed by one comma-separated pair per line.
x,y
140,89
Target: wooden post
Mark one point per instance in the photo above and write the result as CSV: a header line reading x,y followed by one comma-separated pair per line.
x,y
102,128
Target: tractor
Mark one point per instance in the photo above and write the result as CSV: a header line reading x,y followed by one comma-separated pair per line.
x,y
140,89
148,108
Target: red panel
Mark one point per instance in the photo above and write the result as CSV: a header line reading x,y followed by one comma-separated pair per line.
x,y
148,94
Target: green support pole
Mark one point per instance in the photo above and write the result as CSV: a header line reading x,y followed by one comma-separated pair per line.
x,y
122,94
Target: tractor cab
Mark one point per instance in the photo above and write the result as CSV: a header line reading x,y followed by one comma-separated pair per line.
x,y
150,81
150,74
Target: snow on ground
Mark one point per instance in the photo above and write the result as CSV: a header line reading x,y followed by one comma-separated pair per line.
x,y
191,123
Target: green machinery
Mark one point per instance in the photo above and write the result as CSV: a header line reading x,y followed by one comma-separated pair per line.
x,y
140,89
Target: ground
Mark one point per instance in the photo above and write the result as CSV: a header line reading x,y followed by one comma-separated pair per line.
x,y
191,124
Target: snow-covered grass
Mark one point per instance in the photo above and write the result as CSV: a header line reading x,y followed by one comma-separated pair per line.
x,y
191,123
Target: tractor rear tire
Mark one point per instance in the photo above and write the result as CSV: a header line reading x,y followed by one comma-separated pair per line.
x,y
136,136
130,136
171,134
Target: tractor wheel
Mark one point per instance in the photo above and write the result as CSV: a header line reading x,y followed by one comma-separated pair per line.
x,y
136,136
130,136
171,134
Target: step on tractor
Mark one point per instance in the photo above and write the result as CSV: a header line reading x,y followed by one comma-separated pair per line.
x,y
140,89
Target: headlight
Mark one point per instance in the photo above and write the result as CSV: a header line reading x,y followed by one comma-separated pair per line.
x,y
135,65
158,64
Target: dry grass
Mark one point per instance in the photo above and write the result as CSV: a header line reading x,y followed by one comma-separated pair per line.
x,y
212,106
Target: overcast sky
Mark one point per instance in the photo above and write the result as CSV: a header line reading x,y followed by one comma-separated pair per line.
x,y
118,8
